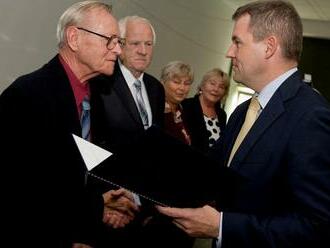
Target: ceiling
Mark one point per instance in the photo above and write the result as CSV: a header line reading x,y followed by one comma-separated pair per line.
x,y
308,9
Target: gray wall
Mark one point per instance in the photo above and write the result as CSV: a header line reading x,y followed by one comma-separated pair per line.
x,y
187,30
27,35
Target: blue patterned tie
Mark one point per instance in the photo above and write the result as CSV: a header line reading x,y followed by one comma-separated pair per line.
x,y
85,119
141,105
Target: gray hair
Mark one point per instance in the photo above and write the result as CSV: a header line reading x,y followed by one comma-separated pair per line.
x,y
74,15
176,69
124,21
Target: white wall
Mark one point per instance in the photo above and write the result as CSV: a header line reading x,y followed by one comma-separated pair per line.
x,y
194,31
27,35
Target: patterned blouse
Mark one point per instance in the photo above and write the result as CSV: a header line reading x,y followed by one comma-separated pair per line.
x,y
174,124
213,129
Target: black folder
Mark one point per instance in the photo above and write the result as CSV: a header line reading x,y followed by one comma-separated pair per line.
x,y
161,169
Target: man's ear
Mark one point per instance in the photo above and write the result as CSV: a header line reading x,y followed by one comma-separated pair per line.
x,y
72,37
271,46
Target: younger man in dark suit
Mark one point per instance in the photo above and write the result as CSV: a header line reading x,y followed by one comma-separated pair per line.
x,y
284,160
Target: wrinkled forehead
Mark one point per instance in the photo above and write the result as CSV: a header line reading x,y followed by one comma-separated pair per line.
x,y
101,20
139,29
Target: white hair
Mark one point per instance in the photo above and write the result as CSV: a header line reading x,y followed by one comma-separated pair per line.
x,y
74,15
123,25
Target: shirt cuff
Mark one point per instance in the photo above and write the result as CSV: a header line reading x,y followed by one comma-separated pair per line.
x,y
137,199
219,239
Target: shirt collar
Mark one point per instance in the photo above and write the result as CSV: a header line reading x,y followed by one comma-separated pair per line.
x,y
80,90
130,79
268,91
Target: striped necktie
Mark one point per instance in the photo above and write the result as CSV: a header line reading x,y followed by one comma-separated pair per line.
x,y
141,105
250,118
85,120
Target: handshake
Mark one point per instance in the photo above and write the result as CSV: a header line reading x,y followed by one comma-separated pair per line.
x,y
119,208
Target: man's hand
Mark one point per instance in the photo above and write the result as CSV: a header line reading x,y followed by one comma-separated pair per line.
x,y
196,222
79,245
119,208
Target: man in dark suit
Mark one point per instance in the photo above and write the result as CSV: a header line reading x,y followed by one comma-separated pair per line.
x,y
45,197
119,120
283,198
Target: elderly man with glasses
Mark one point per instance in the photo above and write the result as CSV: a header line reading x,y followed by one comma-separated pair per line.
x,y
39,113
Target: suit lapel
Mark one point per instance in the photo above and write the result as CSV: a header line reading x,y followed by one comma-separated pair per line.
x,y
63,96
151,97
233,127
273,110
125,95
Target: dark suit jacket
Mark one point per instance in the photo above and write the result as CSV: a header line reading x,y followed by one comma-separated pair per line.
x,y
194,119
285,160
117,127
117,121
45,194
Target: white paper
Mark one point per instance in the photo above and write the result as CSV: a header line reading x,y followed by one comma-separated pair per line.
x,y
92,154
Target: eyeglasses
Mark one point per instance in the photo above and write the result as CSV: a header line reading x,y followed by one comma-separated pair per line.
x,y
112,41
